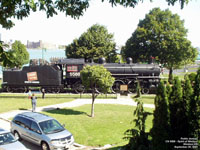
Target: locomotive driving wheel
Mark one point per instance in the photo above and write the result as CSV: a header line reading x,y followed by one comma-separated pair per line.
x,y
24,89
9,89
145,90
79,87
116,86
56,90
132,86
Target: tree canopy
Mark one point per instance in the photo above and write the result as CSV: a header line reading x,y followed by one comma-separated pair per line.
x,y
93,44
96,77
10,9
21,54
6,57
19,9
161,35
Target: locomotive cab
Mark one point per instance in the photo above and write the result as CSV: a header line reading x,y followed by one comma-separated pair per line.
x,y
72,69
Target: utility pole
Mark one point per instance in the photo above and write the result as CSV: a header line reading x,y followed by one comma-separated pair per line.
x,y
43,50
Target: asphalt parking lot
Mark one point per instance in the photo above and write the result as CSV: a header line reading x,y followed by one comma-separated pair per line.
x,y
30,146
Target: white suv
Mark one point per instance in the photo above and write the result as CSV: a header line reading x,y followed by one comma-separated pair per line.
x,y
42,130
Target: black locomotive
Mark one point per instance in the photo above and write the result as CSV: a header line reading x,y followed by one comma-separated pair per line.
x,y
65,74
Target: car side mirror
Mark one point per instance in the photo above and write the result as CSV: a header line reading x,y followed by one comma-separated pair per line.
x,y
63,125
39,132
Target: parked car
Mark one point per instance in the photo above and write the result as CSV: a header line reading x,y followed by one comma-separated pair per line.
x,y
41,130
8,141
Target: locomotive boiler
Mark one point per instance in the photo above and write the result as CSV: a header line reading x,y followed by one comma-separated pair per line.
x,y
65,74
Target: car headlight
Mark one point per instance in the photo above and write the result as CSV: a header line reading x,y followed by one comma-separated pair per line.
x,y
55,142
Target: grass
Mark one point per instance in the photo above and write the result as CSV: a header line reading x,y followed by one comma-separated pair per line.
x,y
14,101
107,127
21,101
147,99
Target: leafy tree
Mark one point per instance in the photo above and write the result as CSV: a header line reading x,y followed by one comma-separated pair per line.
x,y
138,138
22,55
161,35
6,57
96,77
161,121
93,44
19,9
10,9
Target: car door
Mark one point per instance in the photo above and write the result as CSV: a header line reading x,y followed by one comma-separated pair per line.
x,y
24,131
35,133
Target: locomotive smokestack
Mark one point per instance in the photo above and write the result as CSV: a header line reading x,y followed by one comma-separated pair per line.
x,y
102,60
129,60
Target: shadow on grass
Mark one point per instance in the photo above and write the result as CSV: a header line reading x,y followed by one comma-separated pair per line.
x,y
23,109
17,97
115,148
39,96
67,112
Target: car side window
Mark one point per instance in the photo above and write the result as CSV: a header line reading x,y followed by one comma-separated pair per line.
x,y
17,120
35,127
26,123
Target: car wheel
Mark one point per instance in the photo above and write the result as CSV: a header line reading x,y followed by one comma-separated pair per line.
x,y
17,136
44,146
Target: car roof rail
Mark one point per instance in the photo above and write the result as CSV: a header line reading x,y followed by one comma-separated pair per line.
x,y
25,115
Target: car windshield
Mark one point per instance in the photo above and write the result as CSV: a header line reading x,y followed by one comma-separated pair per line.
x,y
51,126
6,138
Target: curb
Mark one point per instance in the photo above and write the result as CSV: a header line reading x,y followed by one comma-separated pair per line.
x,y
4,119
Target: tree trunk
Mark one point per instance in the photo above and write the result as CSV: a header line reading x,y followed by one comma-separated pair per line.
x,y
170,75
93,98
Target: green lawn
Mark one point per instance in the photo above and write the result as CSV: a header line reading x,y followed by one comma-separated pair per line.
x,y
21,101
13,101
107,127
146,99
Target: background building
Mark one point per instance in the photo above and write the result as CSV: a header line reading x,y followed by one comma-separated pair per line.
x,y
40,45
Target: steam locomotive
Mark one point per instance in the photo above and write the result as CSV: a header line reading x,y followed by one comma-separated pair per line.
x,y
65,74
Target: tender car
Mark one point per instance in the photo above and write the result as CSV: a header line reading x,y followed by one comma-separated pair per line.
x,y
8,141
41,130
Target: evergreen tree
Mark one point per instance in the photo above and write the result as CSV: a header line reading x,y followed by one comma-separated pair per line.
x,y
187,95
178,115
138,89
195,108
168,89
174,99
138,138
161,127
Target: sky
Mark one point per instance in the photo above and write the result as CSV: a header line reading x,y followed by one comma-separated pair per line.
x,y
119,20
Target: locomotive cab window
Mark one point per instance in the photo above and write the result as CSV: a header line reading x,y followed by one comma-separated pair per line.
x,y
72,68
